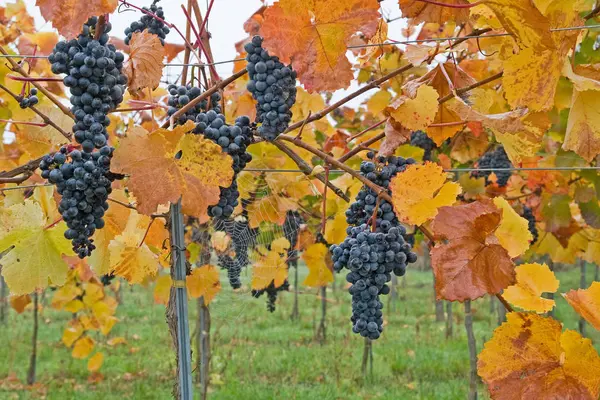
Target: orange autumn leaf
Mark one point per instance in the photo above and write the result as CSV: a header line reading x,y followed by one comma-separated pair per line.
x,y
172,50
471,263
67,16
271,266
95,362
419,191
587,303
313,36
421,11
204,282
532,281
529,357
158,176
416,111
18,303
316,257
145,64
83,347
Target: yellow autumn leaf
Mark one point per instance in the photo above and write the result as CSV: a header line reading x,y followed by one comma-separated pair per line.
x,y
24,227
269,268
419,191
204,282
95,362
220,241
315,257
130,260
416,113
335,230
280,245
513,233
72,332
379,101
38,141
586,302
583,127
83,347
165,165
162,289
532,281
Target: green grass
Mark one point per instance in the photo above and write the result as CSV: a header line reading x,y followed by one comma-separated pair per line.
x,y
259,355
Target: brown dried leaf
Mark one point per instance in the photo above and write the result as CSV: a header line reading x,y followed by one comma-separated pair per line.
x,y
145,65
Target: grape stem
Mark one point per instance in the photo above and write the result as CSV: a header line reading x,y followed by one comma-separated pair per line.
x,y
20,173
370,128
307,170
435,3
41,124
206,94
132,207
361,147
17,68
34,79
465,89
147,230
53,224
299,135
504,303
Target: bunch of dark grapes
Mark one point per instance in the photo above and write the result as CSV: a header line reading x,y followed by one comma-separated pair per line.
x,y
84,183
83,178
421,140
273,85
492,160
242,237
150,23
180,96
291,227
272,292
373,250
30,100
528,215
107,279
234,140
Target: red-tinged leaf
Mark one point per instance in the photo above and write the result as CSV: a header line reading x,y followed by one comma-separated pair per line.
x,y
68,16
338,139
472,262
312,35
421,11
145,64
395,135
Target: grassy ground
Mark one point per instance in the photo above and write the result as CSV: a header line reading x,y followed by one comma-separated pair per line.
x,y
259,355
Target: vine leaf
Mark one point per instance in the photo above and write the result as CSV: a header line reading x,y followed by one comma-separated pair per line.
x,y
317,257
157,175
83,347
23,226
162,289
313,35
145,65
472,262
513,232
415,112
271,265
127,258
586,303
67,16
204,282
529,357
419,191
421,11
532,280
18,303
95,362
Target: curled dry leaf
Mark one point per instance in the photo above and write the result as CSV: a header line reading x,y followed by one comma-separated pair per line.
x,y
145,65
395,135
471,262
587,303
529,357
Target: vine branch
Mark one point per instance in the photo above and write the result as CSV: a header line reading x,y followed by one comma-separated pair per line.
x,y
465,89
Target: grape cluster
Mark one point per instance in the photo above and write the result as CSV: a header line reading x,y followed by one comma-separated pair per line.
x,y
150,23
179,96
83,178
528,215
107,279
273,85
373,250
94,78
30,100
380,173
84,183
291,227
421,140
234,140
494,159
272,292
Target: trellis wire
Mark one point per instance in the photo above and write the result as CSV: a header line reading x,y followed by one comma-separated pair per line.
x,y
492,35
333,171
